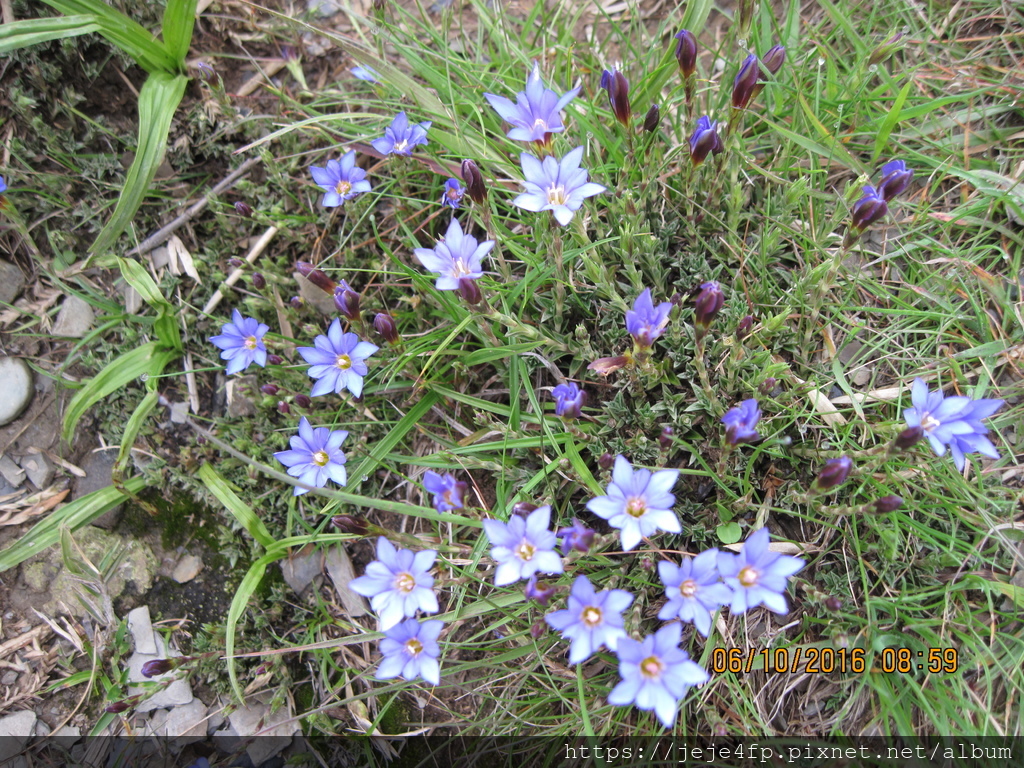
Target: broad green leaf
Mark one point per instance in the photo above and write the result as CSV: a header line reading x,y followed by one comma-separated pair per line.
x,y
158,101
166,326
250,581
21,34
179,18
75,515
890,120
149,359
243,513
128,35
131,429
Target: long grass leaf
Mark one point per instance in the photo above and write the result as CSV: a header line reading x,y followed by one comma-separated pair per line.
x,y
21,34
243,513
245,589
179,19
166,326
158,101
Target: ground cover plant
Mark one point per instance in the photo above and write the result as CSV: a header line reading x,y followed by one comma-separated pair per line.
x,y
672,384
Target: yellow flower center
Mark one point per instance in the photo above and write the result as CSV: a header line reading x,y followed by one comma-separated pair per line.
x,y
344,362
591,616
636,507
651,667
343,187
525,551
688,588
414,647
320,458
250,343
557,195
404,582
748,576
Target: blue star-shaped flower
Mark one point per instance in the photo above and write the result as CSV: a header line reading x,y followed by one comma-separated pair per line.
x,y
537,111
740,422
341,180
241,343
337,361
559,186
401,136
591,619
694,589
757,576
644,321
410,650
638,503
952,421
315,456
457,257
522,546
398,583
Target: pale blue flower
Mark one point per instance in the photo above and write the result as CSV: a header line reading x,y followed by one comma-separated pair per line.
x,y
559,186
694,590
591,619
758,576
398,583
537,111
522,546
456,257
569,400
952,421
740,422
337,361
453,193
315,456
241,343
363,72
410,650
646,322
401,136
446,489
638,502
341,180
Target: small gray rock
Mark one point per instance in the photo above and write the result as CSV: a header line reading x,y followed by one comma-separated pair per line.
x,y
16,384
141,627
185,724
300,569
319,298
179,413
70,732
239,402
177,693
339,568
15,731
99,467
12,280
323,8
39,468
74,319
11,472
187,569
275,732
10,677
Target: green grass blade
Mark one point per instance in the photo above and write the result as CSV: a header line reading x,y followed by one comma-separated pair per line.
x,y
131,429
250,581
158,101
179,18
149,359
890,120
166,326
75,515
243,513
22,34
128,35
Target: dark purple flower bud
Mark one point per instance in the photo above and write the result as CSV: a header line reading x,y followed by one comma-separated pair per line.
x,y
774,59
833,603
569,400
303,401
709,301
652,119
908,438
117,707
647,563
384,324
744,326
537,630
470,291
576,537
235,263
346,300
768,386
243,209
157,667
539,591
283,407
474,182
523,508
315,276
618,94
833,474
887,504
269,389
885,50
259,282
665,439
348,524
745,83
869,209
895,179
705,140
297,302
606,461
686,52
274,360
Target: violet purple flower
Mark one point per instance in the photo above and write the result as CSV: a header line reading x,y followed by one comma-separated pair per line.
x,y
337,361
705,140
539,591
576,537
315,456
241,343
569,400
952,421
745,83
398,583
656,673
447,491
870,208
3,185
559,186
694,590
757,576
410,650
523,546
363,72
401,136
341,180
740,423
591,619
452,195
617,86
537,111
646,322
895,179
457,256
686,52
638,503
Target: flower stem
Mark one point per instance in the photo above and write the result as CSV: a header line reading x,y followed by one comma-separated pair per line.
x,y
702,372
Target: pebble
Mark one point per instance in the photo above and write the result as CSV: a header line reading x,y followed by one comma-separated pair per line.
x,y
318,297
39,468
11,472
74,319
187,569
185,724
238,391
98,467
15,731
10,677
275,732
300,569
16,384
339,568
12,280
177,693
140,625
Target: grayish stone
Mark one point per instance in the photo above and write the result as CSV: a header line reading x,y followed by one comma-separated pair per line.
x,y
39,468
132,298
179,413
42,730
11,472
300,569
160,256
16,385
98,467
239,401
177,693
141,627
12,280
10,677
185,724
319,298
187,569
323,8
74,319
15,731
70,732
275,734
339,568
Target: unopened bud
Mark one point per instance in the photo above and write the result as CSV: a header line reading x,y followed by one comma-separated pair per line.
x,y
384,324
157,667
475,187
652,119
606,461
665,438
317,277
259,282
346,301
617,86
744,326
235,263
283,407
908,438
887,504
745,83
470,291
833,474
274,359
303,401
833,603
537,630
269,389
686,52
768,386
357,526
709,301
243,209
523,508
